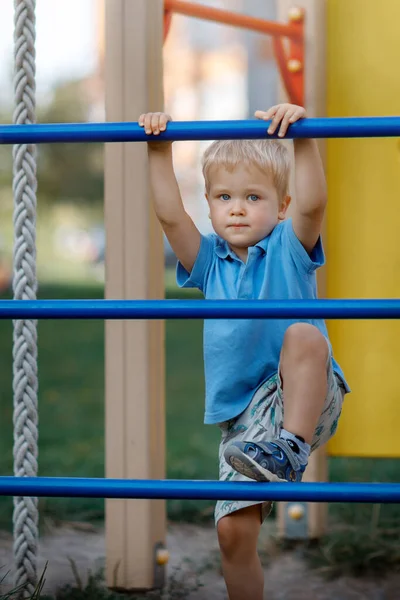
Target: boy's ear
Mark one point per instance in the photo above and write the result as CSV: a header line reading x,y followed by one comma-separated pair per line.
x,y
283,208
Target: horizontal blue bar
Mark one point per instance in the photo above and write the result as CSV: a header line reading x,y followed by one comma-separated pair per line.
x,y
339,127
200,309
71,487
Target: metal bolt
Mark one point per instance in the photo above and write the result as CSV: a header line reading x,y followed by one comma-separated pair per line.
x,y
294,65
296,14
296,511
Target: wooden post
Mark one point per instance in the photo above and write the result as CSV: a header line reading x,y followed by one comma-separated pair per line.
x,y
134,352
313,523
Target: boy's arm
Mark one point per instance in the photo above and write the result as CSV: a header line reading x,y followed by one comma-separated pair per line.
x,y
310,184
179,228
311,193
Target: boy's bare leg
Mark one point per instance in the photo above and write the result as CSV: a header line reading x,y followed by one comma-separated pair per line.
x,y
241,566
303,370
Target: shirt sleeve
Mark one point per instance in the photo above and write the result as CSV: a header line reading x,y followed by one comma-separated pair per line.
x,y
197,277
309,262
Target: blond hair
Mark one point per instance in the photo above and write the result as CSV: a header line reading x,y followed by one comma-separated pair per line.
x,y
269,155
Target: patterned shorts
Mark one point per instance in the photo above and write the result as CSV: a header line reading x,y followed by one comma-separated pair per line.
x,y
263,419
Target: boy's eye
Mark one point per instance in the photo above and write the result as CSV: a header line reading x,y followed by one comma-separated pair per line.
x,y
253,197
225,197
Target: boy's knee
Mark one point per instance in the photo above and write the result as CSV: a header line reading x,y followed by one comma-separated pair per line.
x,y
305,340
238,533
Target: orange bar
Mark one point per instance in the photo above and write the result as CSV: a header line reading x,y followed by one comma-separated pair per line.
x,y
230,18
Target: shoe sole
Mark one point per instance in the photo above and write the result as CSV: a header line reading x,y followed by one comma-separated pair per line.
x,y
250,468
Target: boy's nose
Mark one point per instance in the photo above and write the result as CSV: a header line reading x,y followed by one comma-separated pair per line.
x,y
237,208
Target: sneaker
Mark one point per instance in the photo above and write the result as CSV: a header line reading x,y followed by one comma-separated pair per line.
x,y
265,461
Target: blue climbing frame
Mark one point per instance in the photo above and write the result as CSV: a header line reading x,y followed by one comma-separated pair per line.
x,y
71,487
348,127
200,309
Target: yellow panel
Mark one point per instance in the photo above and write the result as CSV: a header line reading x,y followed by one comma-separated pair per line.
x,y
363,231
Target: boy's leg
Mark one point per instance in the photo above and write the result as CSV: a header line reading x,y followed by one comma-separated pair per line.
x,y
304,378
311,403
238,522
238,535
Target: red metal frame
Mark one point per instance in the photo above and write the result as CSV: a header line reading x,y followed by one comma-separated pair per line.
x,y
290,64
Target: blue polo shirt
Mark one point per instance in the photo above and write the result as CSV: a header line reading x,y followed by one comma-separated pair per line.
x,y
240,354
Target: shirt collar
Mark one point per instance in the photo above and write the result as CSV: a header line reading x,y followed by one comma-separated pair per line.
x,y
223,251
263,244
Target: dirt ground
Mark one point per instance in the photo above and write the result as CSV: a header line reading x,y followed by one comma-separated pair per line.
x,y
195,549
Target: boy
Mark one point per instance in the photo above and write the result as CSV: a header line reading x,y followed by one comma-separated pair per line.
x,y
272,386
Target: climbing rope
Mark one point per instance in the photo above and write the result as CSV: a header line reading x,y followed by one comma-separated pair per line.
x,y
25,383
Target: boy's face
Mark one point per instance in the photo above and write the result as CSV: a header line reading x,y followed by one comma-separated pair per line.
x,y
244,205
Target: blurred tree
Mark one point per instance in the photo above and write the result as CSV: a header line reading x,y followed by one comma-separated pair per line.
x,y
72,172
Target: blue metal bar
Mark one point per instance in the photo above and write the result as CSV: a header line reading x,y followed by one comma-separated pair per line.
x,y
198,130
199,309
71,487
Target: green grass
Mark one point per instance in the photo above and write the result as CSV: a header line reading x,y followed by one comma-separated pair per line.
x,y
178,587
360,470
71,415
71,408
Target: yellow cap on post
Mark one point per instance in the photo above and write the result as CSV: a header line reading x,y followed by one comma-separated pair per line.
x,y
296,511
296,14
162,556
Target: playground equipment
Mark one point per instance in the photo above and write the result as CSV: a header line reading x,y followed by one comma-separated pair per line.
x,y
74,487
134,362
290,62
200,309
355,127
156,309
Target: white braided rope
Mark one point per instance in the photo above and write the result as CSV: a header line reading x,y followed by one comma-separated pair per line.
x,y
25,383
